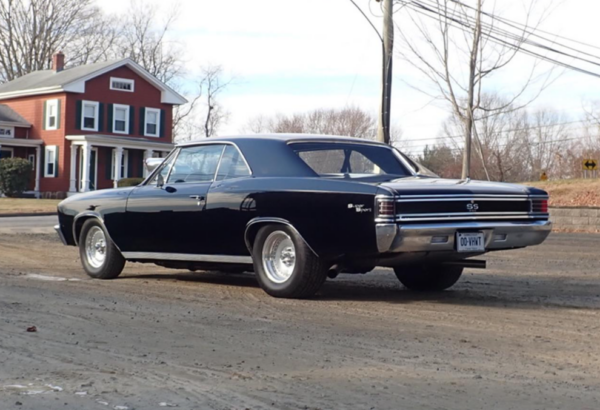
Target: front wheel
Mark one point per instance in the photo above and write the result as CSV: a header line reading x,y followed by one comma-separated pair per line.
x,y
285,266
99,256
428,277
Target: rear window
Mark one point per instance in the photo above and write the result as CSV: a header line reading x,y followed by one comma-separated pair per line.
x,y
349,159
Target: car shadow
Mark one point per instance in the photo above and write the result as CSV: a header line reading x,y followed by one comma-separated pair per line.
x,y
474,289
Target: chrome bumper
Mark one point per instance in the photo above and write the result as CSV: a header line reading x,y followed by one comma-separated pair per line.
x,y
397,238
60,234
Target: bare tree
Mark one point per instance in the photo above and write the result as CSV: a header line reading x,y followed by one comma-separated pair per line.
x,y
31,31
204,115
459,51
349,121
143,38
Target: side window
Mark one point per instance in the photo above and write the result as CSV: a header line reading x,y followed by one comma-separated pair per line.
x,y
196,164
232,165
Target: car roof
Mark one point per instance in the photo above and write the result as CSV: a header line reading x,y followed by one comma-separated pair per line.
x,y
288,137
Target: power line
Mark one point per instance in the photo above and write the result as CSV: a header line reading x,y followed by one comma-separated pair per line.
x,y
427,11
498,146
503,131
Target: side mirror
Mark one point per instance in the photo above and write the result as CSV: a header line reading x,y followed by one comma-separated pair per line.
x,y
152,163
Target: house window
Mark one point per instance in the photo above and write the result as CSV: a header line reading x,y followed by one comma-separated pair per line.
x,y
51,119
50,161
6,153
152,125
89,117
31,159
121,84
124,165
121,119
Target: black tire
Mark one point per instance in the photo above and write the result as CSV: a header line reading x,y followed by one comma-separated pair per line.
x,y
113,263
428,277
309,270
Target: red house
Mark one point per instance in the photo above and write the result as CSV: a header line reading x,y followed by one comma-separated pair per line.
x,y
86,127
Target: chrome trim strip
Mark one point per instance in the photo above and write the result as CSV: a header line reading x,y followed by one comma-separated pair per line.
x,y
445,214
188,257
60,234
272,220
469,218
519,199
475,196
219,164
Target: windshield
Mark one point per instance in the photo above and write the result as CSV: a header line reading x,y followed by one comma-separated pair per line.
x,y
349,160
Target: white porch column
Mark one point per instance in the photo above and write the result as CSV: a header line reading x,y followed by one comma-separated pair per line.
x,y
73,177
85,167
118,157
147,154
38,167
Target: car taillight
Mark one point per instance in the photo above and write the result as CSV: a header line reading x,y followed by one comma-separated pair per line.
x,y
540,205
386,207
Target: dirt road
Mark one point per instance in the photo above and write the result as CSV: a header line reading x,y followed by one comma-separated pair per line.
x,y
523,334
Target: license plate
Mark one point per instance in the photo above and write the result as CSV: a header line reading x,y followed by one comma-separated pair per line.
x,y
470,242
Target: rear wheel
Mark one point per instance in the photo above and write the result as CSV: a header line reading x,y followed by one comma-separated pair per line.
x,y
428,277
285,266
99,256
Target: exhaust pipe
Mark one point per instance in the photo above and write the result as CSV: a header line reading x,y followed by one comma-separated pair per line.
x,y
468,263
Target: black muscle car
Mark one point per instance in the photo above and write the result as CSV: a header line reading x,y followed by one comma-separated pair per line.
x,y
296,209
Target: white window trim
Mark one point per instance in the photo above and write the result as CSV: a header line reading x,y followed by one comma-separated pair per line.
x,y
31,159
53,103
157,111
126,107
124,80
124,164
96,105
48,159
12,151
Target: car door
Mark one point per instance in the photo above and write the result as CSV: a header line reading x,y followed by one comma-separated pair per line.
x,y
167,214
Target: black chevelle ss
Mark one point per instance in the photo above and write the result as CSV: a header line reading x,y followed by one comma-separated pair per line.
x,y
296,209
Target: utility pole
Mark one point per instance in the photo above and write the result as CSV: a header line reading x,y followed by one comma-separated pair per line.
x,y
383,131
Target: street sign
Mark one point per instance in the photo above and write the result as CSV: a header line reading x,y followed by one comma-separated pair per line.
x,y
590,164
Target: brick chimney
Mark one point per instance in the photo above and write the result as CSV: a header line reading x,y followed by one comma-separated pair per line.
x,y
58,61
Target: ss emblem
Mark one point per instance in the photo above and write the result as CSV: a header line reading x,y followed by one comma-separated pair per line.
x,y
472,207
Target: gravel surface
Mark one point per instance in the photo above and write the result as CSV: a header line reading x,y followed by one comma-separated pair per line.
x,y
522,334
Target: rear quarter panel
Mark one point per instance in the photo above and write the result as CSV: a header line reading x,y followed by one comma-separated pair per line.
x,y
323,211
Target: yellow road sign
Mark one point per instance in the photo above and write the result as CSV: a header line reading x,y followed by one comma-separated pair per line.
x,y
590,164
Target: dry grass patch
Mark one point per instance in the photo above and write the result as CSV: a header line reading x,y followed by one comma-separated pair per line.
x,y
22,205
571,192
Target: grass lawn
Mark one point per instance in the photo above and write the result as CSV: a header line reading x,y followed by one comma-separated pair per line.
x,y
20,205
571,192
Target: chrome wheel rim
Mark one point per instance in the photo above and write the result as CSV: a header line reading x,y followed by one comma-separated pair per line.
x,y
95,247
279,257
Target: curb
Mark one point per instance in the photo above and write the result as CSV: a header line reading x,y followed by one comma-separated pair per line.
x,y
28,214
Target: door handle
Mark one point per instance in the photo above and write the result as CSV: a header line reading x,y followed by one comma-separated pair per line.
x,y
199,198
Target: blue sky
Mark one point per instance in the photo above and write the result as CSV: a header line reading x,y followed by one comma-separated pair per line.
x,y
295,55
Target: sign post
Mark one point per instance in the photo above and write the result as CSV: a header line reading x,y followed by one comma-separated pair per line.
x,y
591,166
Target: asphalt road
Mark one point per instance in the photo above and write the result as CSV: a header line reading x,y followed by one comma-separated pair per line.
x,y
28,224
521,335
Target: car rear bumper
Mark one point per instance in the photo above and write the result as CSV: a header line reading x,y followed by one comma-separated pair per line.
x,y
429,237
